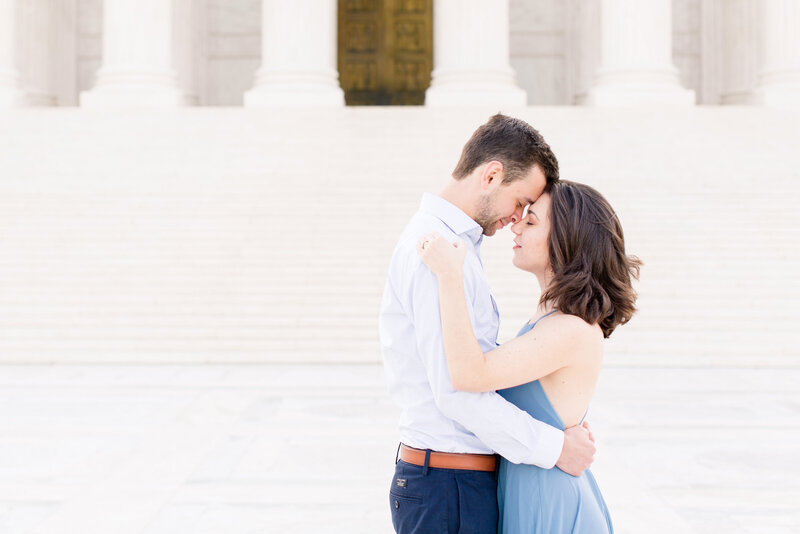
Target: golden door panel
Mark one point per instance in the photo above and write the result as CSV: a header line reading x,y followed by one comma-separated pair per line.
x,y
385,51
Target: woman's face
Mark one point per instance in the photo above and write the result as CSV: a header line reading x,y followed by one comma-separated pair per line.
x,y
531,251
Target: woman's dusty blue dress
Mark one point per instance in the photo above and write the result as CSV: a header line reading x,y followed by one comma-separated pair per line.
x,y
546,501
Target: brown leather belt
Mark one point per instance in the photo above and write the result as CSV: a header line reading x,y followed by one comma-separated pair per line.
x,y
449,460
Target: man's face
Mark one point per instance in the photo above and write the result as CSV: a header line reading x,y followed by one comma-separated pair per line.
x,y
503,204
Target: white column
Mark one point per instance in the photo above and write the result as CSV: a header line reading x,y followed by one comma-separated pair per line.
x,y
38,32
739,50
10,93
65,53
636,56
779,78
729,51
137,66
583,52
187,42
298,55
471,55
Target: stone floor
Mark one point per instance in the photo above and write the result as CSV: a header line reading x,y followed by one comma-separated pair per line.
x,y
309,448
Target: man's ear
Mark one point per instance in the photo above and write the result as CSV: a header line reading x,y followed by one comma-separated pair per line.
x,y
492,174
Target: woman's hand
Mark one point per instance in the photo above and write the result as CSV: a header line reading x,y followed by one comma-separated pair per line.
x,y
440,256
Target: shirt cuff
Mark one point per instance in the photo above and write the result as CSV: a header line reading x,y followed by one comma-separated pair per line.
x,y
550,446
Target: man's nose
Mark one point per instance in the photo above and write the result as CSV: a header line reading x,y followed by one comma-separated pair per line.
x,y
517,215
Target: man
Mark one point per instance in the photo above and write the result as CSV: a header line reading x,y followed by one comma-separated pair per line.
x,y
445,477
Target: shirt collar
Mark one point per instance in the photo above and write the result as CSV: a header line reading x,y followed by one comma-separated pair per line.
x,y
458,221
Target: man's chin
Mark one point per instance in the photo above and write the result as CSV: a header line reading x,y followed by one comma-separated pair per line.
x,y
490,231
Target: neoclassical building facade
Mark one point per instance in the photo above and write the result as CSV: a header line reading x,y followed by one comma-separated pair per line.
x,y
155,53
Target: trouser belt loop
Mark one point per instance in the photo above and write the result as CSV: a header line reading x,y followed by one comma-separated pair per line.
x,y
427,461
397,454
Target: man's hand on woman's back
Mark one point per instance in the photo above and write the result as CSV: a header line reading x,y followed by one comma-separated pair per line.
x,y
578,451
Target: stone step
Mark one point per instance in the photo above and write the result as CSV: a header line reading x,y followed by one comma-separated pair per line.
x,y
256,249
712,353
365,308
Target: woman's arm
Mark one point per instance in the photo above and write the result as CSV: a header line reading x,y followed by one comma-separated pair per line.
x,y
538,353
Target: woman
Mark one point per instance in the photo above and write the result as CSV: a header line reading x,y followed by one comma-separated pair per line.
x,y
572,241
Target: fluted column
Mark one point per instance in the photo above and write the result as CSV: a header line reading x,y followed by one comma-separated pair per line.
x,y
636,56
471,55
739,50
298,55
779,77
37,22
137,68
187,42
10,93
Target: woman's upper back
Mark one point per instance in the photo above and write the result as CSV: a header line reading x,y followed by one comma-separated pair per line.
x,y
562,397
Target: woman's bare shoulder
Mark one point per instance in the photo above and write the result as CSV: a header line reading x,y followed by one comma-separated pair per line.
x,y
576,332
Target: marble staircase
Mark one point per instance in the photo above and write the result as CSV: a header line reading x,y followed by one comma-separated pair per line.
x,y
232,235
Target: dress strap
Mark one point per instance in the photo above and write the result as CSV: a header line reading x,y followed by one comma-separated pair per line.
x,y
542,317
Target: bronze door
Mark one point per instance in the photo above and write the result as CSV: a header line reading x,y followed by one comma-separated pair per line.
x,y
385,51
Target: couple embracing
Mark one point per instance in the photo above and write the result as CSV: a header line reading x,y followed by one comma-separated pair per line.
x,y
492,437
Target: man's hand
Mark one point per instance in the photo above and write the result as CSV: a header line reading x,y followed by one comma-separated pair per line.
x,y
578,451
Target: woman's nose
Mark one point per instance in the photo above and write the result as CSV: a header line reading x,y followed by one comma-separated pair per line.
x,y
515,228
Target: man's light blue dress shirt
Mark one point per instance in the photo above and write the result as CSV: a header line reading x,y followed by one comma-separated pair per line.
x,y
434,415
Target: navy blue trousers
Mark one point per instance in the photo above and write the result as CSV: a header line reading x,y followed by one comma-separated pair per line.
x,y
452,501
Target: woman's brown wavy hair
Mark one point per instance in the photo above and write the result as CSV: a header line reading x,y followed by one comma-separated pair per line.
x,y
592,273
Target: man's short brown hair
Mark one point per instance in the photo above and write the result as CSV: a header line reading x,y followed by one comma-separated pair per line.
x,y
512,142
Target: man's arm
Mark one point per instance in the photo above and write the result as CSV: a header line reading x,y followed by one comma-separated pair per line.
x,y
503,427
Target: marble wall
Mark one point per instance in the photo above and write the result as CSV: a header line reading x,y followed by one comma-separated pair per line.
x,y
233,52
686,43
89,38
228,56
554,48
538,31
